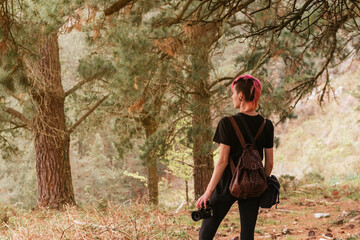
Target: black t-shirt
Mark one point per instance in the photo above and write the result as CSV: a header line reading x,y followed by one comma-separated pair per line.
x,y
225,134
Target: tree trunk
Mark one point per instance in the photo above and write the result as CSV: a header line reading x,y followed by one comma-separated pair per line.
x,y
52,141
187,191
202,151
201,37
150,126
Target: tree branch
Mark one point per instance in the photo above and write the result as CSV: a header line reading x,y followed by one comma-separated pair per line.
x,y
278,28
178,18
262,9
79,84
238,7
72,128
116,7
229,79
13,128
182,162
19,115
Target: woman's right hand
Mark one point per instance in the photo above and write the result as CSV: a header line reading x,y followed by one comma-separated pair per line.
x,y
201,202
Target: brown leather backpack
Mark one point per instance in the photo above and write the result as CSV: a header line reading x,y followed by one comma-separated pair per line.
x,y
249,178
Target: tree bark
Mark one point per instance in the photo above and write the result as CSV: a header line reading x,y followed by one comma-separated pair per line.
x,y
150,125
202,151
201,37
52,141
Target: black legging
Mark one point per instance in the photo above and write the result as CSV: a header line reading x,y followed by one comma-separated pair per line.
x,y
248,209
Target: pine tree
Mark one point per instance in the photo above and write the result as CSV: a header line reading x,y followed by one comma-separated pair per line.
x,y
30,66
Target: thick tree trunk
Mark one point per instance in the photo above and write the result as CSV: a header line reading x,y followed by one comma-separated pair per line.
x,y
201,37
202,151
150,126
52,141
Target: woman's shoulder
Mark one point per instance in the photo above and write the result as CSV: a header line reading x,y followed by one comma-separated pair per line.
x,y
269,126
269,123
225,120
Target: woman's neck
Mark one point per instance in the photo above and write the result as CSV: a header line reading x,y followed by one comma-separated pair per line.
x,y
247,110
250,113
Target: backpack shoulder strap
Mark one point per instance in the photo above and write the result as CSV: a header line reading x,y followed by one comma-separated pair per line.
x,y
241,139
247,130
237,131
260,129
232,164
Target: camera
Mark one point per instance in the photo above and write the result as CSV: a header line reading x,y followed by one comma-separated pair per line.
x,y
202,213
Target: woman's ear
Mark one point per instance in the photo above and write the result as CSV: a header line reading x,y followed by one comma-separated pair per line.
x,y
240,96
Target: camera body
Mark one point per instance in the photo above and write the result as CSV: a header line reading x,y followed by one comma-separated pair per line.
x,y
202,213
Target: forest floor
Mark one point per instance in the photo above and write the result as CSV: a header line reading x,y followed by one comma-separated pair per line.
x,y
293,219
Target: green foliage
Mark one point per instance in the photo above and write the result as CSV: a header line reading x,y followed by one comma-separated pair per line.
x,y
287,183
313,177
95,67
145,81
18,189
99,175
179,158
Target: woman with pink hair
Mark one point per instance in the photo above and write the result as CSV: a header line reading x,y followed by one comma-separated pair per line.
x,y
246,95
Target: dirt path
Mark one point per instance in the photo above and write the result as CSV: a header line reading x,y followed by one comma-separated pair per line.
x,y
294,219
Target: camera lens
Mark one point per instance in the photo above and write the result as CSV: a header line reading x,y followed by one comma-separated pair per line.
x,y
196,216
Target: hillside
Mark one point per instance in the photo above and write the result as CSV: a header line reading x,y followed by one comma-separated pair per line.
x,y
323,139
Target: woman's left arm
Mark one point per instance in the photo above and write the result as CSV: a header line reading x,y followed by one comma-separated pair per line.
x,y
218,171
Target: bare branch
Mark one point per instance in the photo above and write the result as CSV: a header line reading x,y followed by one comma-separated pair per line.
x,y
116,7
221,80
279,27
13,128
72,128
324,88
182,162
262,9
19,115
86,80
178,18
237,8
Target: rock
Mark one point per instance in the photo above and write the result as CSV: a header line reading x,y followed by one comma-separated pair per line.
x,y
328,234
218,234
295,222
354,219
321,215
338,222
311,233
230,229
235,238
286,231
197,229
344,214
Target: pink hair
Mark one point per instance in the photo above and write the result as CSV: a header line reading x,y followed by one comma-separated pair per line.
x,y
255,89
